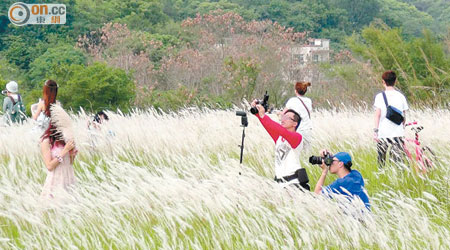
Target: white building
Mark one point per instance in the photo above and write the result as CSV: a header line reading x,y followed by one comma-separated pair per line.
x,y
304,59
314,51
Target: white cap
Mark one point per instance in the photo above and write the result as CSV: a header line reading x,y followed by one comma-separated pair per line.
x,y
12,87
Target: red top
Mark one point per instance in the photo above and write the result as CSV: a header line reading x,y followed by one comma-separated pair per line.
x,y
275,130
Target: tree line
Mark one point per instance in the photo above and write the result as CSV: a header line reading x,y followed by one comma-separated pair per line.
x,y
119,54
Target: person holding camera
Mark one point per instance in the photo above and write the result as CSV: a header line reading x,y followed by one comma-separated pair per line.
x,y
390,107
288,170
303,106
350,182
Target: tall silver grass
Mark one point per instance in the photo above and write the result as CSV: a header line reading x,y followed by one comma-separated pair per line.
x,y
171,181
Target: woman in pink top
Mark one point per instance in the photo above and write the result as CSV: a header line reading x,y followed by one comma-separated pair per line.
x,y
58,157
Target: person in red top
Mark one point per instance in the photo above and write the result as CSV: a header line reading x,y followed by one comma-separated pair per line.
x,y
288,170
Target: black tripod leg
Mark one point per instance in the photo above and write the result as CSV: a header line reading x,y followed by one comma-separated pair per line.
x,y
242,145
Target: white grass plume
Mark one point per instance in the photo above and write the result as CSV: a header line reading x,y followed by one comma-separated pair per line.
x,y
61,120
171,181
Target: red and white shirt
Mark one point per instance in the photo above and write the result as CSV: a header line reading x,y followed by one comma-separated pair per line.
x,y
287,150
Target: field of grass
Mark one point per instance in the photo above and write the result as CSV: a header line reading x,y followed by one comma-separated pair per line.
x,y
173,181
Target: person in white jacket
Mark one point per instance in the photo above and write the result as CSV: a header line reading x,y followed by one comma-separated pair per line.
x,y
303,106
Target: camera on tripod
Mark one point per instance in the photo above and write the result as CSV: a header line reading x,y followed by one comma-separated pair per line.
x,y
244,120
264,102
244,124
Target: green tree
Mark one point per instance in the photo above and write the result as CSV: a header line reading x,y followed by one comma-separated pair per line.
x,y
142,15
359,12
422,66
276,10
438,9
319,19
94,87
63,54
409,18
208,6
9,72
18,52
138,14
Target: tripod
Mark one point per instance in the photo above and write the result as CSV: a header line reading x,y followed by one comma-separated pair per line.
x,y
244,124
242,144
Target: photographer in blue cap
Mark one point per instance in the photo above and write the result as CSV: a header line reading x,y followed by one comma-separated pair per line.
x,y
350,182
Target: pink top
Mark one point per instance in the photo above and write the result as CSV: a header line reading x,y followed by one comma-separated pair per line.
x,y
60,178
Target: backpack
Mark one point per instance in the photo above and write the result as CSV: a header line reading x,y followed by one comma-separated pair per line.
x,y
17,113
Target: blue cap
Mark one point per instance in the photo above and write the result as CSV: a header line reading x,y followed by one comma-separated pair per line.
x,y
343,156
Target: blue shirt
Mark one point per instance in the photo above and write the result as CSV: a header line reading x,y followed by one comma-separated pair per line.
x,y
353,183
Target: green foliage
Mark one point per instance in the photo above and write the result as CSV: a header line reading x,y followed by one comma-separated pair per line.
x,y
438,9
138,14
36,50
31,97
23,49
275,10
54,57
94,87
142,15
421,64
18,51
9,72
180,10
412,21
360,12
207,7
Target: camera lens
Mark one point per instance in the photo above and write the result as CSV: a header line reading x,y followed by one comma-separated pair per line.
x,y
254,110
315,160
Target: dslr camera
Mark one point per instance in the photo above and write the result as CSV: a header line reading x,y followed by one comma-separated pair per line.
x,y
4,92
264,102
317,160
